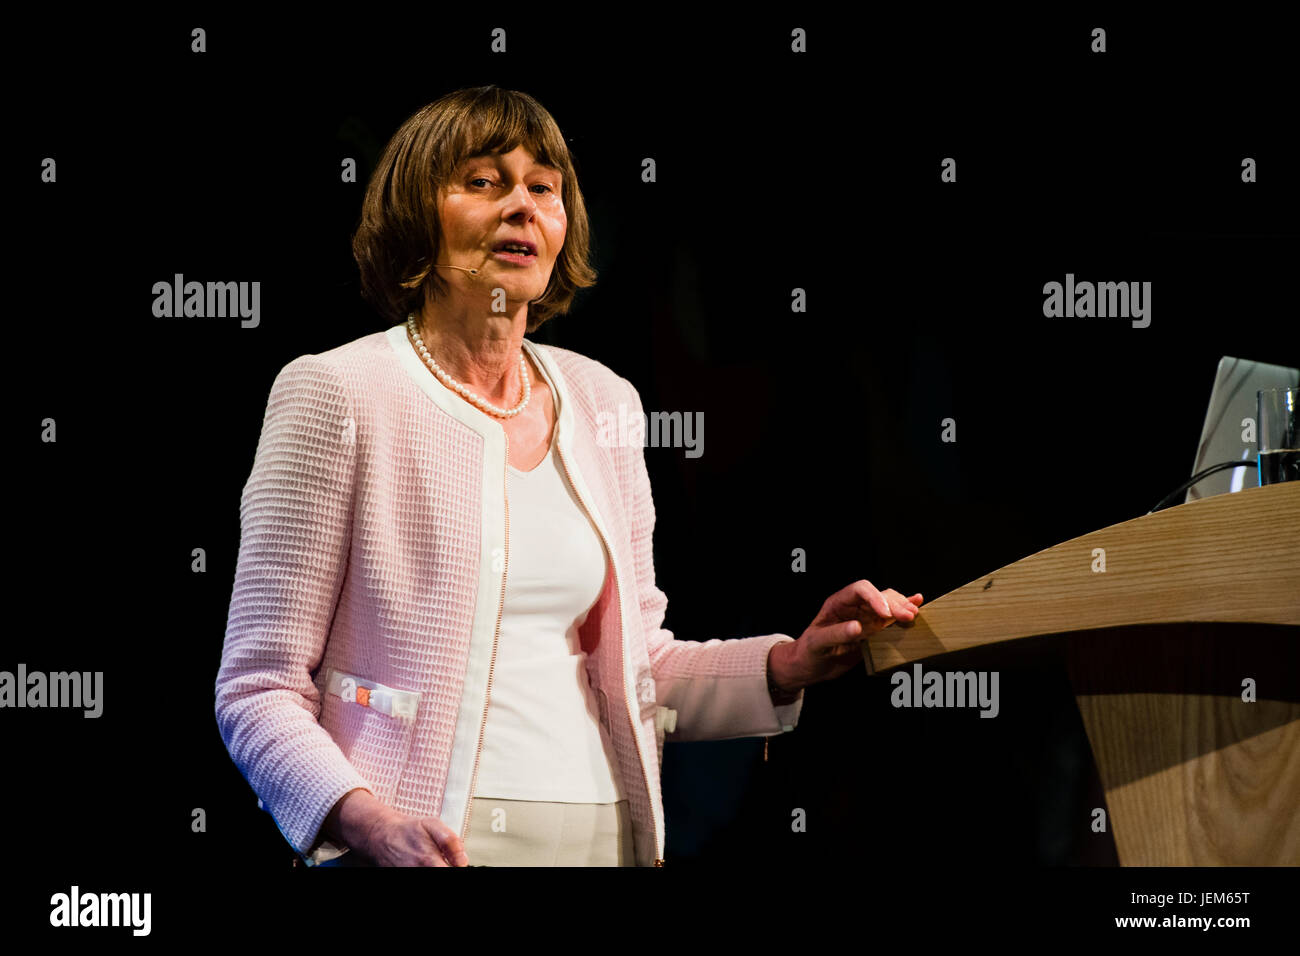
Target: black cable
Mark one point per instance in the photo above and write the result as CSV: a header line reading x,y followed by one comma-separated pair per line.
x,y
1243,463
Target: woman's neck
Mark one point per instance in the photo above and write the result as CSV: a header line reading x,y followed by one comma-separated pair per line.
x,y
479,350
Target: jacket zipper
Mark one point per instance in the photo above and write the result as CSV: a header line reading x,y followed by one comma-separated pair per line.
x,y
496,635
622,659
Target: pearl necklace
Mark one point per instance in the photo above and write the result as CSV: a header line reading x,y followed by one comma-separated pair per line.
x,y
460,389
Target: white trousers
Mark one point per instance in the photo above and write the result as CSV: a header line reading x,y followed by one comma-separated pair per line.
x,y
542,833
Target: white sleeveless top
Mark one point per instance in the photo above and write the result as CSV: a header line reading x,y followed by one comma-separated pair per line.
x,y
543,739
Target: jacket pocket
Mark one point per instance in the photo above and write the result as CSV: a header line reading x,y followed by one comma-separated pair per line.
x,y
374,727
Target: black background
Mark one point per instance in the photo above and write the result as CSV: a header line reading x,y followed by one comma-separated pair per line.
x,y
775,171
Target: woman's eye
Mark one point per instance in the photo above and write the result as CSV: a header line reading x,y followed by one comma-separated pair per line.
x,y
484,179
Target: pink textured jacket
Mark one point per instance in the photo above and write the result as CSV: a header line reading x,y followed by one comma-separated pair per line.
x,y
370,583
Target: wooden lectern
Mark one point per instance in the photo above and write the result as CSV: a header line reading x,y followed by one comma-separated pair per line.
x,y
1195,603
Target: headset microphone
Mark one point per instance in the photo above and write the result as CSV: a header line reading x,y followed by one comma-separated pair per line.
x,y
474,272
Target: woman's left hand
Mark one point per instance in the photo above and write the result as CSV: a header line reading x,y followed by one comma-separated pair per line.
x,y
832,644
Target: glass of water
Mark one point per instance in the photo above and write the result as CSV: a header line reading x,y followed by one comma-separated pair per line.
x,y
1279,443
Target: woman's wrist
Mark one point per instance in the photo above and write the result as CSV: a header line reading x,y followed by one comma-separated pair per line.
x,y
352,817
782,684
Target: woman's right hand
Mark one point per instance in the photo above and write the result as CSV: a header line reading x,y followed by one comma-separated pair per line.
x,y
396,839
383,836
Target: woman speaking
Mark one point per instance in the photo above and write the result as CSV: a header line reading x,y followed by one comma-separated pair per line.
x,y
444,645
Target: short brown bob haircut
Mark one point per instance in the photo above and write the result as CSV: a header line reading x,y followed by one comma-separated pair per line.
x,y
397,239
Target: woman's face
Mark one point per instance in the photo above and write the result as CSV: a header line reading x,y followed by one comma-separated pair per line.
x,y
494,198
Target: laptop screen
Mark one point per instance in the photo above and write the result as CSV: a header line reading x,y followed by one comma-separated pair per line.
x,y
1230,428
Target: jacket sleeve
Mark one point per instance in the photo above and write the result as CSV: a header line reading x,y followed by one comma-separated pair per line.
x,y
295,530
717,687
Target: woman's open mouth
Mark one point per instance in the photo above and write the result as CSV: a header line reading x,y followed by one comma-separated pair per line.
x,y
516,253
517,258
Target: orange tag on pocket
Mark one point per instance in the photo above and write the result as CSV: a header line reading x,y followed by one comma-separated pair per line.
x,y
363,696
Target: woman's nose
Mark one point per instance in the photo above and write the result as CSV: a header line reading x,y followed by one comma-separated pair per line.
x,y
521,201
